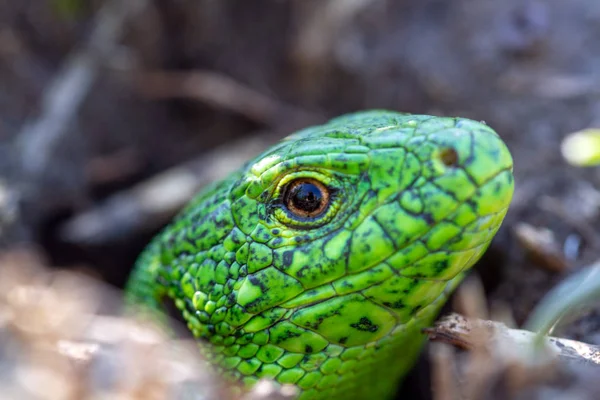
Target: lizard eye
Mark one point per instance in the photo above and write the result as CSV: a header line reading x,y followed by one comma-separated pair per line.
x,y
306,197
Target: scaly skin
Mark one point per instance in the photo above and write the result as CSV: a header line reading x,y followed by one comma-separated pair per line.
x,y
333,303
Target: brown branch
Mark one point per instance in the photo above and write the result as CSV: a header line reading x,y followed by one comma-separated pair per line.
x,y
151,203
226,93
462,332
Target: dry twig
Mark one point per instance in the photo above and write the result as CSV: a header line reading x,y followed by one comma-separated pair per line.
x,y
62,99
223,92
152,203
457,330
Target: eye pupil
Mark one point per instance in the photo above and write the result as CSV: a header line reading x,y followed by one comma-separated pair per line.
x,y
307,197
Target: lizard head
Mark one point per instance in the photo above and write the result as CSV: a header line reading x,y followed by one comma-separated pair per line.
x,y
371,216
339,238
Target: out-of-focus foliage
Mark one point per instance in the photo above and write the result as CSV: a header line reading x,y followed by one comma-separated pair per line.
x,y
582,148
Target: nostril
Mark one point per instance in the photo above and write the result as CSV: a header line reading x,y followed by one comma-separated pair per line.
x,y
449,157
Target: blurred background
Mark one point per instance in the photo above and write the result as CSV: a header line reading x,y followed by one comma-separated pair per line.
x,y
113,113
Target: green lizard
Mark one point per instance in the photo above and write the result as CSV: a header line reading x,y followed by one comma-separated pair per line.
x,y
320,261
